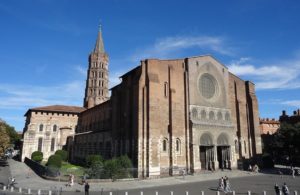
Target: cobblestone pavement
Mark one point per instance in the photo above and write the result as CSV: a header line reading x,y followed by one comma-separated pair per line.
x,y
241,181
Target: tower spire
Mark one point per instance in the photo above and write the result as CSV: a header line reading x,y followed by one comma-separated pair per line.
x,y
99,47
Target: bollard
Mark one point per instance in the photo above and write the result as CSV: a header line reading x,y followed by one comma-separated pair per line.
x,y
110,193
186,192
171,192
218,193
50,192
156,192
39,192
142,192
202,192
29,191
295,193
20,190
12,189
249,192
4,188
265,193
233,192
126,193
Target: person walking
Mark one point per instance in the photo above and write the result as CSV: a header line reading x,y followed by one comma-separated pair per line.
x,y
293,172
221,184
227,185
86,188
285,189
277,189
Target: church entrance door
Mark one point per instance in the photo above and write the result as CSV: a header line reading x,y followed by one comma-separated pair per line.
x,y
207,157
223,153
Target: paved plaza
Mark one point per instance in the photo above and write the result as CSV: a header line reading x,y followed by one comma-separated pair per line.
x,y
241,182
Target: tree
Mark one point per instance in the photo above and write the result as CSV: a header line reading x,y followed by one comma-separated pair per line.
x,y
11,132
286,142
37,156
54,161
91,159
63,154
4,139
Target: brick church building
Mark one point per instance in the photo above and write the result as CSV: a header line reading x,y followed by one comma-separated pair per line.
x,y
189,113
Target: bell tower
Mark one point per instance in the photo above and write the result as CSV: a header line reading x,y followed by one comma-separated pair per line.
x,y
96,90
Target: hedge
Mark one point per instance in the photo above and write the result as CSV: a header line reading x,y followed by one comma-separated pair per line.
x,y
37,156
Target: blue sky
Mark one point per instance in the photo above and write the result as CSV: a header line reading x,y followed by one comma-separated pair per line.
x,y
44,46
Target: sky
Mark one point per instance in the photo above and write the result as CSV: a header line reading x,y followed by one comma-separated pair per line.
x,y
44,46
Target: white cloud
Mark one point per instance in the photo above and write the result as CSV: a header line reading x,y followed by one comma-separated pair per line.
x,y
283,75
295,103
81,70
166,47
27,96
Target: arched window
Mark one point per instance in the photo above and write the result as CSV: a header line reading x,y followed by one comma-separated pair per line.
x,y
41,127
211,115
52,144
40,144
165,145
195,113
178,145
227,116
54,128
219,116
203,115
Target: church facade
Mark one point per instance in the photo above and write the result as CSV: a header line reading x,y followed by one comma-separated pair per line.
x,y
168,115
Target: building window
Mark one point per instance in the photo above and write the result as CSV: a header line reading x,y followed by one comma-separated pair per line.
x,y
52,144
41,127
165,145
245,147
178,145
227,116
203,115
195,113
211,115
54,128
166,89
40,143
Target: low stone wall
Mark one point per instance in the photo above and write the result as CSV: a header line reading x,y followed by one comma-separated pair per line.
x,y
36,167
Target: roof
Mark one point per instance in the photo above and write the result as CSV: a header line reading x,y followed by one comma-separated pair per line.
x,y
58,108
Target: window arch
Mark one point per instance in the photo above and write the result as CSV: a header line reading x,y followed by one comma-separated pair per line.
x,y
220,117
211,115
165,145
41,127
195,113
54,128
227,116
52,144
178,145
203,115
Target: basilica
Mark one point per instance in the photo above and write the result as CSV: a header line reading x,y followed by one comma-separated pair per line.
x,y
166,115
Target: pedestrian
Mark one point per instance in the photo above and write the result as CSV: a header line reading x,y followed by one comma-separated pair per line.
x,y
285,189
227,185
86,188
250,168
221,184
277,189
293,172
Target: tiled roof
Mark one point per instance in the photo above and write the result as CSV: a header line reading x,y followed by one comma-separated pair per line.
x,y
59,108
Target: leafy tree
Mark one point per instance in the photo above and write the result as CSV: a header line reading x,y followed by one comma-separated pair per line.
x,y
54,161
13,135
112,168
96,170
286,142
4,139
91,159
63,154
37,156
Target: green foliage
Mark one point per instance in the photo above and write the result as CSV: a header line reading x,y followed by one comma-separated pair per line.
x,y
54,161
4,139
13,135
96,170
37,156
112,168
63,154
92,159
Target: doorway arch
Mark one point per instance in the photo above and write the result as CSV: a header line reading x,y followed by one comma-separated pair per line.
x,y
223,151
206,149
